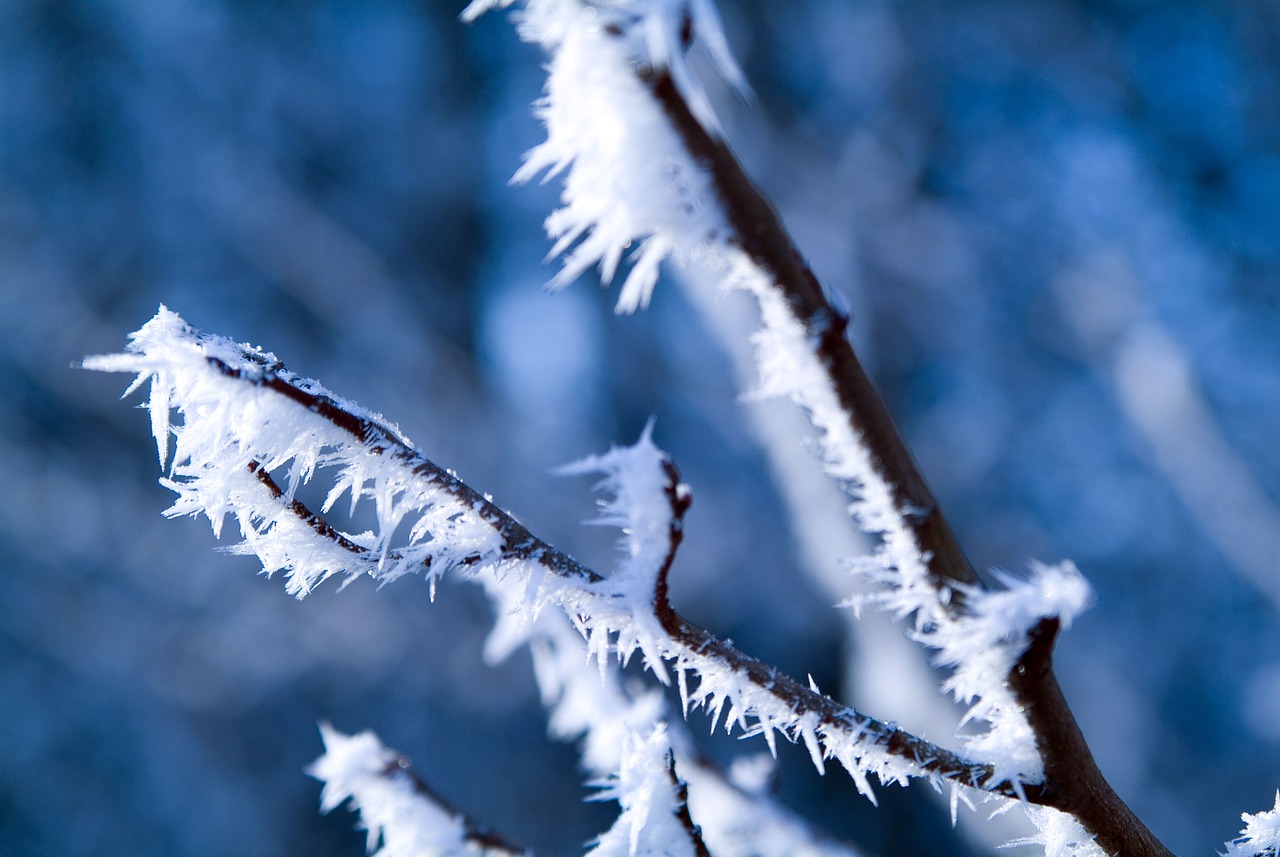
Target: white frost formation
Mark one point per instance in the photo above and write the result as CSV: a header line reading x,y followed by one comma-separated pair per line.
x,y
244,444
980,646
644,785
600,710
629,184
1059,834
1261,834
401,821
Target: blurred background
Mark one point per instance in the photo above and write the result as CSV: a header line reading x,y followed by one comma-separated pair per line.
x,y
1057,226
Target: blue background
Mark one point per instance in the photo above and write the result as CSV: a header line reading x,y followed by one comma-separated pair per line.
x,y
1014,199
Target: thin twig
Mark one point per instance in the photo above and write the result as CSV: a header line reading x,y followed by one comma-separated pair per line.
x,y
311,519
682,811
480,835
680,500
517,542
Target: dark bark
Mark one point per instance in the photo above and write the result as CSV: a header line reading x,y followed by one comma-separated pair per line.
x,y
682,811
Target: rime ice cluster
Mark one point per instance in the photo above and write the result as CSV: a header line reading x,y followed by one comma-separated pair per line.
x,y
1059,834
1261,834
402,822
645,786
250,433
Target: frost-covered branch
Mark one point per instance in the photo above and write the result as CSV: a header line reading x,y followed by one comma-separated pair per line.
x,y
403,815
242,413
406,818
644,166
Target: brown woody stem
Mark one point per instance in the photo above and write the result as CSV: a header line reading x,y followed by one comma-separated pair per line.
x,y
759,232
488,841
1072,781
682,811
680,499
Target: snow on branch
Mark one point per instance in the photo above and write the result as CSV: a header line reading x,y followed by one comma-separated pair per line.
x,y
250,433
655,819
625,128
982,647
242,414
648,504
643,172
1059,834
629,184
404,817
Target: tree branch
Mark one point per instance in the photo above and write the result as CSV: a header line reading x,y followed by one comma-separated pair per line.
x,y
759,232
395,804
682,811
1073,782
687,644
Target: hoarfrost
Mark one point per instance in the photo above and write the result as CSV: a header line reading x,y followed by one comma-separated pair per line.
x,y
630,187
401,821
249,434
1059,834
645,786
1261,834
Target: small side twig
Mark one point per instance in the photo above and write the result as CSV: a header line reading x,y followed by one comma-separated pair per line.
x,y
299,509
480,835
682,809
517,541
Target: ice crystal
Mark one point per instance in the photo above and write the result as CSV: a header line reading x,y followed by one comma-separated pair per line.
x,y
630,187
249,434
1261,834
645,786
